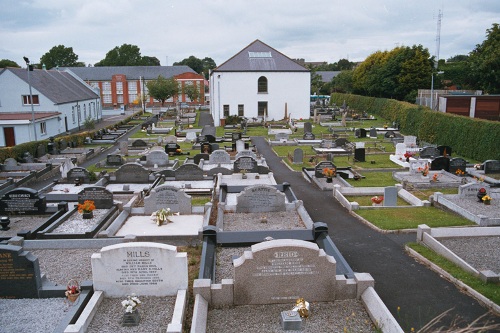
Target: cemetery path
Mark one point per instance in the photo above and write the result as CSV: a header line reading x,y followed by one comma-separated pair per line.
x,y
401,282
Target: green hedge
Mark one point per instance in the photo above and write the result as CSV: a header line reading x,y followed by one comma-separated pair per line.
x,y
474,138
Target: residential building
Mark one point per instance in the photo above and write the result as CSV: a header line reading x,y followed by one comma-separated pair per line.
x,y
57,103
123,86
260,82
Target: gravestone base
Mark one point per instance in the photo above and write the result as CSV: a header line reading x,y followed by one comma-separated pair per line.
x,y
290,321
131,318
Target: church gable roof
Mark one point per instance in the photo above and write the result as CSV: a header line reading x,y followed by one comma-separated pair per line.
x,y
260,57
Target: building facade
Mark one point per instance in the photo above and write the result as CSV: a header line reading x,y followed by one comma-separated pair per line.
x,y
261,83
123,86
59,103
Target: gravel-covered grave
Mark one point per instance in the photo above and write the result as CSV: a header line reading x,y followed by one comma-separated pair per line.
x,y
262,221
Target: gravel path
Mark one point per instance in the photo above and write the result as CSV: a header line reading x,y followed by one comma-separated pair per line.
x,y
482,253
254,221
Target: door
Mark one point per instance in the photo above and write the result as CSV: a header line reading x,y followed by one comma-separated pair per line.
x,y
10,139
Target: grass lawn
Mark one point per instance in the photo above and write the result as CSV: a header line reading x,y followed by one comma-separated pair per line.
x,y
410,218
366,200
374,179
489,290
425,193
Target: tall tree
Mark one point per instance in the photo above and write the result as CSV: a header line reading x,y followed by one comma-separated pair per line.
x,y
484,62
343,82
162,89
8,63
61,56
127,55
192,91
208,65
196,64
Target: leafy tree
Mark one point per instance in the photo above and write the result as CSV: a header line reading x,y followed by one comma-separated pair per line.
x,y
193,62
208,64
343,82
316,83
484,63
192,91
8,63
60,56
162,89
457,58
127,55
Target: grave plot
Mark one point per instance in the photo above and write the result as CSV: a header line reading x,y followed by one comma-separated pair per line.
x,y
188,177
326,175
423,174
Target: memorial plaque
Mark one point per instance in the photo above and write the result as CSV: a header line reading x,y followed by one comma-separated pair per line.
x,y
166,196
78,173
219,157
240,145
429,152
457,164
103,199
22,200
400,150
318,169
235,136
246,163
189,171
259,199
114,159
141,268
20,275
440,163
491,166
281,271
132,173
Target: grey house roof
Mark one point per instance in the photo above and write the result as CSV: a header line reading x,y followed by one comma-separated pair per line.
x,y
259,57
131,72
327,76
59,87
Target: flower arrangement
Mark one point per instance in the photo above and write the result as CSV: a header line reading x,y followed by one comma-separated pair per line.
x,y
131,303
408,154
329,172
486,199
435,177
163,215
72,290
86,207
424,171
459,172
377,199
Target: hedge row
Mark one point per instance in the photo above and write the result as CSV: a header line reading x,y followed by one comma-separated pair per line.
x,y
473,138
31,147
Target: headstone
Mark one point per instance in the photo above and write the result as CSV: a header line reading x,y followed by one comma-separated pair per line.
x,y
141,268
22,200
78,173
124,148
362,133
281,271
417,165
457,164
440,163
298,156
359,152
318,169
215,146
470,190
444,150
206,148
491,166
157,157
373,133
20,275
198,157
103,199
166,196
309,136
235,136
41,150
389,134
170,139
132,173
240,145
10,162
246,153
63,144
429,152
340,142
400,149
189,171
219,157
260,199
326,144
390,196
27,157
246,163
308,127
191,136
65,166
172,148
281,137
114,159
410,140
139,143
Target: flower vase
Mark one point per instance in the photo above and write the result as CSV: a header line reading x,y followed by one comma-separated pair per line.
x,y
88,215
480,196
487,202
73,297
329,179
407,159
131,318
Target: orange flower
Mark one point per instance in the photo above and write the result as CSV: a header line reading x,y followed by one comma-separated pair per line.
x,y
327,172
86,207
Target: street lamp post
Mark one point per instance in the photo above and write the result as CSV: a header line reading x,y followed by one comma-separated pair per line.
x,y
31,96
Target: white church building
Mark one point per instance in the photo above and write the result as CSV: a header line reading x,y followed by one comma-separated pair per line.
x,y
259,82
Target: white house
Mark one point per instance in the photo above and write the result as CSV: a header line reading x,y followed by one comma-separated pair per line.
x,y
61,103
260,82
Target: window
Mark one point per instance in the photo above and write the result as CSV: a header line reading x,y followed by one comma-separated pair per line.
x,y
43,128
262,85
119,87
27,100
106,99
262,109
106,87
73,114
226,110
241,110
84,111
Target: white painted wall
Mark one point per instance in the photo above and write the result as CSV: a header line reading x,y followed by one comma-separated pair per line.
x,y
234,88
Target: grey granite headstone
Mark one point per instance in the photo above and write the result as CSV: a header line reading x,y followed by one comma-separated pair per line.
x,y
326,143
78,173
400,150
157,157
189,171
191,136
10,162
429,152
390,196
103,199
281,271
240,145
170,139
245,153
298,156
139,143
260,198
166,196
22,200
246,163
124,148
132,173
114,159
470,190
410,140
373,133
281,136
20,275
491,166
417,165
219,156
41,150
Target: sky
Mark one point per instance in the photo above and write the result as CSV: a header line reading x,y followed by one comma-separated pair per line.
x,y
172,30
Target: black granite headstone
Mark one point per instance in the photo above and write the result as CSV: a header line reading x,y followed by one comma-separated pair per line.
x,y
429,152
444,150
22,200
340,142
457,164
198,157
389,134
491,166
78,173
171,148
246,163
373,133
318,169
114,159
139,143
103,199
440,163
308,127
309,136
206,148
20,275
359,154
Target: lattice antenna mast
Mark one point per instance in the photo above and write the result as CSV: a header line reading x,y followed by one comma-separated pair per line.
x,y
438,38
